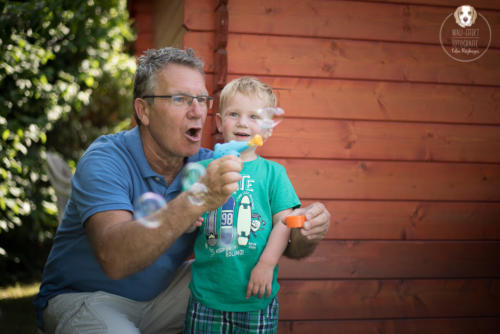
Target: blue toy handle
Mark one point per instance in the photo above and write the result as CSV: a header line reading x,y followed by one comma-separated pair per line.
x,y
230,148
236,147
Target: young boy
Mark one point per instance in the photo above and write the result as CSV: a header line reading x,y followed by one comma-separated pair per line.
x,y
234,285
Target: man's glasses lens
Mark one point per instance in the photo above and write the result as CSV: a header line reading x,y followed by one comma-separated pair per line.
x,y
182,100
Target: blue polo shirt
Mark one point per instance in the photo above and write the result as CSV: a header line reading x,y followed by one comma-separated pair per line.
x,y
111,175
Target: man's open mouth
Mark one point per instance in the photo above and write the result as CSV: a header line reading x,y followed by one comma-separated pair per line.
x,y
194,133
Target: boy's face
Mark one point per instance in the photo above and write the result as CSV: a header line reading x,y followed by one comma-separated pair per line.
x,y
240,120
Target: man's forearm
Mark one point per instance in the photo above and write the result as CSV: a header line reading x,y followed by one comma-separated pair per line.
x,y
126,247
299,246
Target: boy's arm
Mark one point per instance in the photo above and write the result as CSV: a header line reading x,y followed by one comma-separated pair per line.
x,y
261,277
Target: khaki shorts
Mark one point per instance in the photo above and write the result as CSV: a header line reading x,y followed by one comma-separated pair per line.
x,y
101,312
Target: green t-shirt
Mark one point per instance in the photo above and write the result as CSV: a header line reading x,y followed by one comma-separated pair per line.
x,y
232,238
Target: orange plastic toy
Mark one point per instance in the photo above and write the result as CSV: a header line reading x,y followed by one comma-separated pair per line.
x,y
295,221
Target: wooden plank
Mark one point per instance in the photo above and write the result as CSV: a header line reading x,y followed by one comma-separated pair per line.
x,y
370,100
334,19
329,58
391,326
209,80
143,22
334,139
199,15
168,19
388,299
371,220
143,42
396,259
380,64
203,45
379,180
206,136
484,4
346,20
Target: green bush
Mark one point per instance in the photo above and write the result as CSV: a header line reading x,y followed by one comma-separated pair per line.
x,y
65,78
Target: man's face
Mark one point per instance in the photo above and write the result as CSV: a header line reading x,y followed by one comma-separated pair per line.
x,y
176,130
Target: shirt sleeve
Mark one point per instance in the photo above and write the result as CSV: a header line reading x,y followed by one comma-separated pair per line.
x,y
282,193
100,184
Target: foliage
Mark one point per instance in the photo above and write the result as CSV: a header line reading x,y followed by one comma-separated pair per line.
x,y
64,77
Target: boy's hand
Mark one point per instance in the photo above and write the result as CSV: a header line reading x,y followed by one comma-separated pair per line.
x,y
197,223
261,280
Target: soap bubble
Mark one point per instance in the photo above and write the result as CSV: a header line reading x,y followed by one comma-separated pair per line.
x,y
191,174
196,193
147,204
190,177
270,118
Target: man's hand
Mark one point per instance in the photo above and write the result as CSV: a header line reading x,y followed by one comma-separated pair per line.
x,y
221,179
304,240
317,221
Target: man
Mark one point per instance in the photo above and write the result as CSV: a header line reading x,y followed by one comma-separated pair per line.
x,y
106,272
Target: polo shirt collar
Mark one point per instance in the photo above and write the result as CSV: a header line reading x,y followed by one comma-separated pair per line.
x,y
134,143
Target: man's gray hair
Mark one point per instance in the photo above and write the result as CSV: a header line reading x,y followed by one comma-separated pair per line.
x,y
154,60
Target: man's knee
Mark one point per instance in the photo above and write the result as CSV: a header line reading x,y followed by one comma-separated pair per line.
x,y
86,313
168,310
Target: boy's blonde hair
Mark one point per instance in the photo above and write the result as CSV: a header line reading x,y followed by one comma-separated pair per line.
x,y
249,86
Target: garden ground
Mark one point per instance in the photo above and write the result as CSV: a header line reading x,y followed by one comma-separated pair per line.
x,y
17,315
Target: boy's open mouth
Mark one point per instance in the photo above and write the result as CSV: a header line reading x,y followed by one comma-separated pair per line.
x,y
241,134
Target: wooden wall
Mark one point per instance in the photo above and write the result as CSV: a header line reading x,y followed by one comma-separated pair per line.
x,y
399,141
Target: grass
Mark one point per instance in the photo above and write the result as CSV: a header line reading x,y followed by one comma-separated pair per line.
x,y
17,315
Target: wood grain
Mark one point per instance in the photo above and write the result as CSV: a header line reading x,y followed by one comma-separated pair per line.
x,y
333,139
203,45
390,101
344,59
397,22
396,259
401,220
377,180
483,4
483,325
388,299
347,59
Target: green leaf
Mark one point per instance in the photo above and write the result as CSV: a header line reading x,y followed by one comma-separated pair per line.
x,y
49,101
89,81
43,137
5,134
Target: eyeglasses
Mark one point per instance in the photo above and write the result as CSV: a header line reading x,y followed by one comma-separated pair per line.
x,y
184,100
